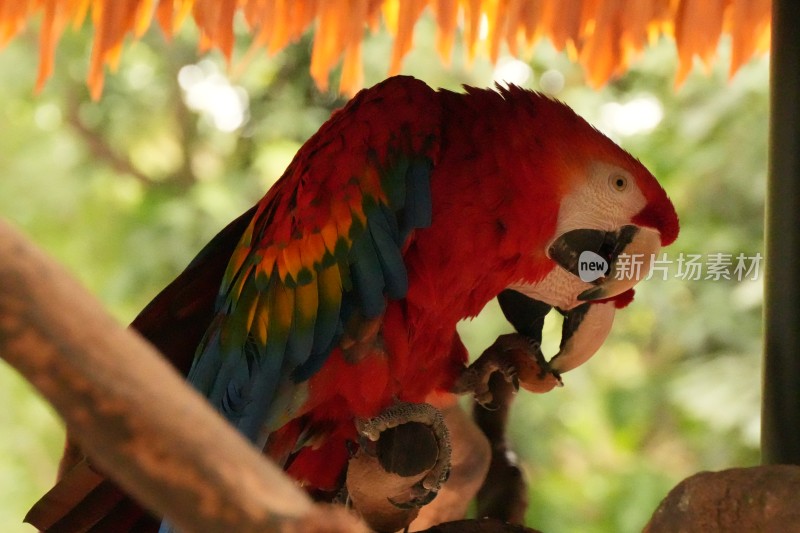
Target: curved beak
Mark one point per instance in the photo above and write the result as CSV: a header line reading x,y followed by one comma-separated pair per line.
x,y
613,261
584,330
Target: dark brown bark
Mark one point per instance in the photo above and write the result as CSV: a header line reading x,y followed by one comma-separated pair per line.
x,y
482,525
760,498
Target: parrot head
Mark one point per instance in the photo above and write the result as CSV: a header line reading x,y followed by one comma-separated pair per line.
x,y
611,226
613,216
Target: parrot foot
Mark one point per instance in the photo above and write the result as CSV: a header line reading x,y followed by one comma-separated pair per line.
x,y
515,357
409,438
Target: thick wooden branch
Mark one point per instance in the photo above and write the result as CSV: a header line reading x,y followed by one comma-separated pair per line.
x,y
134,415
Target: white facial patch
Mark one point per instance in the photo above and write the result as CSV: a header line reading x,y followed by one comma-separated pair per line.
x,y
606,198
597,203
559,288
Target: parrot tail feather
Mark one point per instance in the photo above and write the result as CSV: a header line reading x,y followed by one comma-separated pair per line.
x,y
83,500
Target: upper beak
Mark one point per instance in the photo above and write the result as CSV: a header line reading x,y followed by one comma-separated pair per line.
x,y
614,261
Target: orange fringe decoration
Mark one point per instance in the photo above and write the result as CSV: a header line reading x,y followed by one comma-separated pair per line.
x,y
602,35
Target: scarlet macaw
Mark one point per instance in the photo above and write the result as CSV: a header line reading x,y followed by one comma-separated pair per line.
x,y
337,295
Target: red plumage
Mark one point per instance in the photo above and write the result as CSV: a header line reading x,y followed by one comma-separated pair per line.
x,y
507,170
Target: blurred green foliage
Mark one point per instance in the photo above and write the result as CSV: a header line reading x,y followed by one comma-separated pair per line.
x,y
124,191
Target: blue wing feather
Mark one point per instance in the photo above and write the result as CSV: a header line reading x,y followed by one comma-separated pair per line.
x,y
418,207
367,273
386,240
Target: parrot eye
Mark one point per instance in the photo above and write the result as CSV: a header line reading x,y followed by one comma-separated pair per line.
x,y
618,183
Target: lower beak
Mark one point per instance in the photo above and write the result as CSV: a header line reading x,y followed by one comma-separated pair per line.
x,y
613,261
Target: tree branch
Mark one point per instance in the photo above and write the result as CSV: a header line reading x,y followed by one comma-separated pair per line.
x,y
504,494
134,415
98,146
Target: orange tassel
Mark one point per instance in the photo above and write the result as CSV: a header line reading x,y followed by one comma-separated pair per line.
x,y
605,35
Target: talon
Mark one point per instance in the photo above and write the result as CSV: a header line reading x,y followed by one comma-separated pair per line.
x,y
351,448
518,359
547,371
408,413
544,367
485,399
420,496
405,506
342,497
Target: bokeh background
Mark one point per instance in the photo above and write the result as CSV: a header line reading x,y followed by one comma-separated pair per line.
x,y
126,190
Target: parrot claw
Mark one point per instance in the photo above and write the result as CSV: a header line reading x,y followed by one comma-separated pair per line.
x,y
419,496
342,498
382,426
518,359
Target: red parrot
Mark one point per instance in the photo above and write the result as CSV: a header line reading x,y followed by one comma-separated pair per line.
x,y
337,295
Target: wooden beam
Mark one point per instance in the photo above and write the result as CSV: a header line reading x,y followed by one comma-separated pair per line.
x,y
780,436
